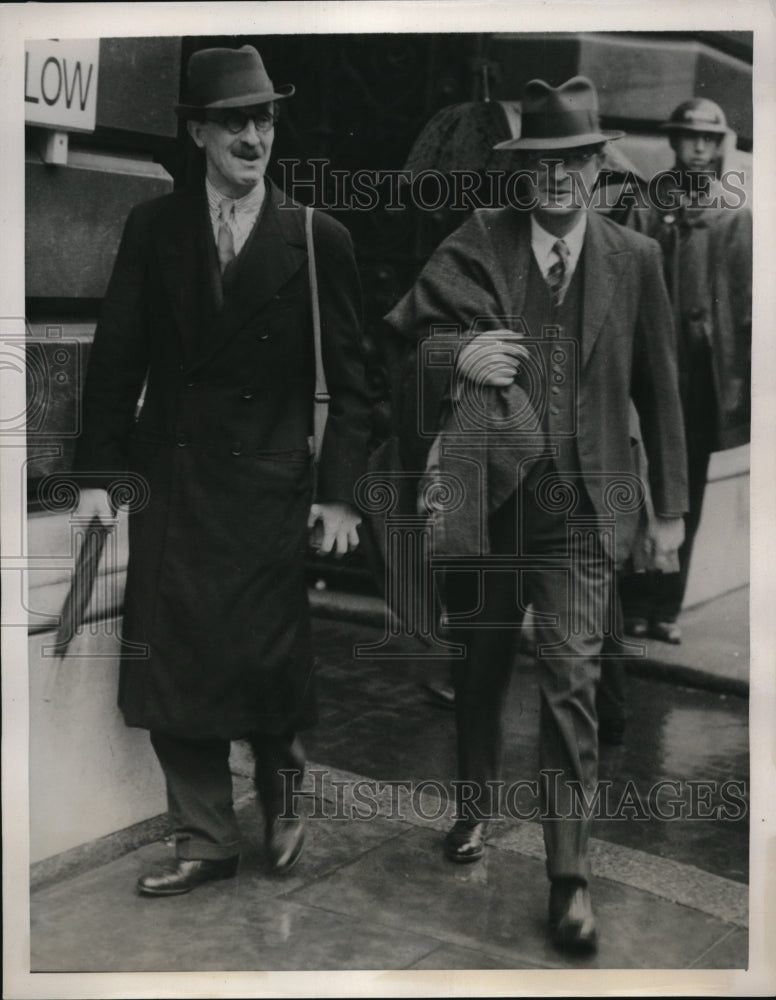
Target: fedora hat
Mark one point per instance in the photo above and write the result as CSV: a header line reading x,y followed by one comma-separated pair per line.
x,y
228,78
559,117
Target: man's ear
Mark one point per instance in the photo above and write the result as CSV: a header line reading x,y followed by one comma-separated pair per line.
x,y
195,131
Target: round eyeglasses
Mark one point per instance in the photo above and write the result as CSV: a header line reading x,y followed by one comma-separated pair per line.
x,y
236,121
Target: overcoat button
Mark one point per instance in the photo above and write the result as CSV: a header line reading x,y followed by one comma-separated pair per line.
x,y
182,441
237,448
247,393
190,385
264,336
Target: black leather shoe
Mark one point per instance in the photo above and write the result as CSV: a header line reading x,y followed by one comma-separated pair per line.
x,y
442,695
571,917
182,875
284,841
465,842
638,627
666,632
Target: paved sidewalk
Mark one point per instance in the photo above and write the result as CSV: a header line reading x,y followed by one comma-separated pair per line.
x,y
713,654
378,894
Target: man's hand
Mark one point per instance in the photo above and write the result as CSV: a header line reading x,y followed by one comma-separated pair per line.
x,y
664,536
333,528
492,358
94,503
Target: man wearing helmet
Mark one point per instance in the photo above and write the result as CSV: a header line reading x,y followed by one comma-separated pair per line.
x,y
707,249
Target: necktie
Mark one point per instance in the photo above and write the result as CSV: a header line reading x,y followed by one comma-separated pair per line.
x,y
225,237
556,276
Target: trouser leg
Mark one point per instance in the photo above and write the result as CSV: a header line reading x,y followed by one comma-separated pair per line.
x,y
671,587
637,593
481,679
612,695
481,682
568,728
278,772
572,604
199,796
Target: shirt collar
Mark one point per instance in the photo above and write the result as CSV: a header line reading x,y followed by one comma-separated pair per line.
x,y
249,204
542,243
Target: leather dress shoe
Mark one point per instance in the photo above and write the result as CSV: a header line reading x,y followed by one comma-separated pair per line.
x,y
183,875
637,627
442,695
284,841
571,916
666,632
465,842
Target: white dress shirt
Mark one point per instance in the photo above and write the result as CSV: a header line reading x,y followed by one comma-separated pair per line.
x,y
542,243
246,211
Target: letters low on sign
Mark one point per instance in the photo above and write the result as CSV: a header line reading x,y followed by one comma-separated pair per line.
x,y
60,83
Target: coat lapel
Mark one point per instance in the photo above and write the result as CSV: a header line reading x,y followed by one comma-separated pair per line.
x,y
512,256
514,251
184,267
603,260
275,252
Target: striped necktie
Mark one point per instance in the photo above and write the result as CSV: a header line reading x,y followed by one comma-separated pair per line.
x,y
558,273
225,237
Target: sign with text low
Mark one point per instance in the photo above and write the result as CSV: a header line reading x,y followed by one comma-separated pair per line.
x,y
60,83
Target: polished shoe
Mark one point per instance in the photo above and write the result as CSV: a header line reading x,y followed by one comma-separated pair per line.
x,y
637,627
183,875
571,916
465,842
284,841
666,632
439,694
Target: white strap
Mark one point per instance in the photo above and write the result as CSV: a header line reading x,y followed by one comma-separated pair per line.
x,y
321,398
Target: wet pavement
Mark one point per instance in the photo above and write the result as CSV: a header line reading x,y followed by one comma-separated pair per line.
x,y
377,893
377,720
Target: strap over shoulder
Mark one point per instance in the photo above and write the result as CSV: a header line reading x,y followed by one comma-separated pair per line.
x,y
321,398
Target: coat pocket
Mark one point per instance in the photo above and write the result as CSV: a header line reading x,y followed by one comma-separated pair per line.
x,y
279,472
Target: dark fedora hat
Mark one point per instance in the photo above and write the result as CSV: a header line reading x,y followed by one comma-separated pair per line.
x,y
559,117
228,78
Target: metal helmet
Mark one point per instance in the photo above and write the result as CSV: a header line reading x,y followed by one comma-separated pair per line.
x,y
697,115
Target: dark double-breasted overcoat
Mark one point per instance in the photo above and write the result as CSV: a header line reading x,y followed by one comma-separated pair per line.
x,y
216,578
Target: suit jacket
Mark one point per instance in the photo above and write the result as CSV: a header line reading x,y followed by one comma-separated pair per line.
x,y
216,582
477,280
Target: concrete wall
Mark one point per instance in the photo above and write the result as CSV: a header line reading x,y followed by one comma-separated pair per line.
x,y
89,774
720,560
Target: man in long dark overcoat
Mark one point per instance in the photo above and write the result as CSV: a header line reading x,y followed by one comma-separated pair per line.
x,y
209,309
705,233
573,308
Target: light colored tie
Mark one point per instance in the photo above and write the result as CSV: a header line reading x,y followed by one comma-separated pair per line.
x,y
225,238
557,275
